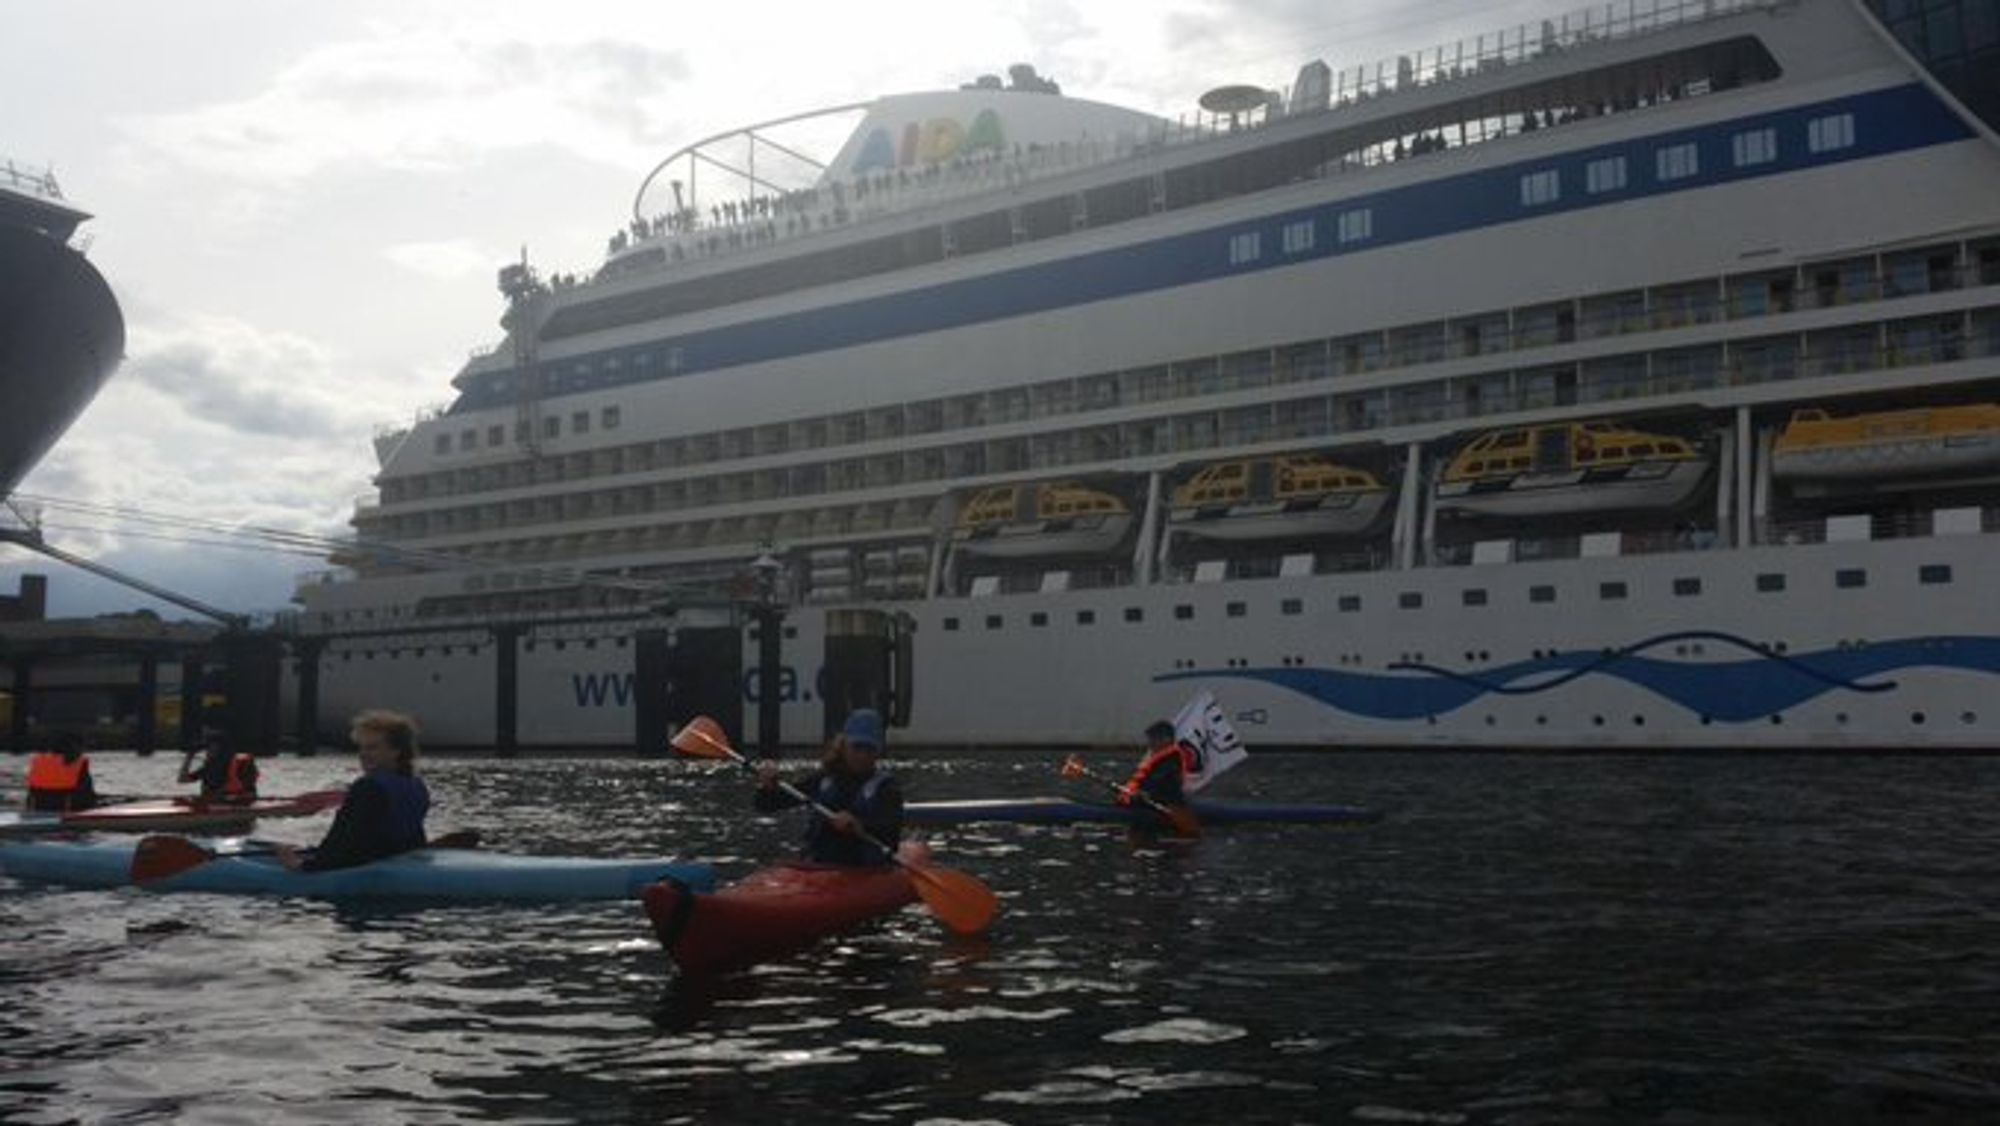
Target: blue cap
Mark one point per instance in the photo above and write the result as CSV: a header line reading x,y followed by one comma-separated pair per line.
x,y
863,727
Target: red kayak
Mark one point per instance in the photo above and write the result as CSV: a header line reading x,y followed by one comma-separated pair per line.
x,y
774,911
172,815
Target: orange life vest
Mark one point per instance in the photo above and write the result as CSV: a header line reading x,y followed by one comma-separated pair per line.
x,y
1176,750
240,784
48,772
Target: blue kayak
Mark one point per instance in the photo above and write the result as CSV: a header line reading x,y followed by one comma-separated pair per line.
x,y
1061,811
439,874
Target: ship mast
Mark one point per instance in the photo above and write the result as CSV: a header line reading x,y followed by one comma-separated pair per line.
x,y
525,295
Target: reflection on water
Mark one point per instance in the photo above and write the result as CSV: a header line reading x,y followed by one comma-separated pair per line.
x,y
1522,940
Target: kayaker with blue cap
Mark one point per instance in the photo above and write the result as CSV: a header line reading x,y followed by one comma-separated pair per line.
x,y
851,784
1161,774
383,812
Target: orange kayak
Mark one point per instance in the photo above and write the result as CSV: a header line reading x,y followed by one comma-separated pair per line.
x,y
773,911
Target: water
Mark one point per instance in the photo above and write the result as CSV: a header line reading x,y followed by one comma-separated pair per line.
x,y
1523,940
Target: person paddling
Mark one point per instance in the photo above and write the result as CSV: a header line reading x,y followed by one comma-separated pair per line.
x,y
851,785
224,777
383,813
1162,772
59,778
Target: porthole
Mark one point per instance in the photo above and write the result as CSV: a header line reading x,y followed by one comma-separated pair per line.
x,y
1777,719
1917,718
1968,718
1638,721
1597,721
1541,721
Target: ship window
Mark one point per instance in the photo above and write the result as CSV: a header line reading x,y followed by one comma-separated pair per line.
x,y
1134,614
1611,592
1086,617
1541,594
1757,146
1410,600
1641,449
579,423
444,443
1685,587
1538,188
1243,248
1676,162
496,435
1350,603
609,418
1357,225
995,621
1932,573
551,427
467,439
1038,618
1771,582
1236,609
1292,606
1475,597
1607,175
1183,612
1848,578
1298,236
1825,134
951,625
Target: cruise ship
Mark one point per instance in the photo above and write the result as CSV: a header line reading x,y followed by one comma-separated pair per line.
x,y
1624,379
61,332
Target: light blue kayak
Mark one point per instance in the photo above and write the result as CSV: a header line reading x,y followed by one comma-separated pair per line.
x,y
443,874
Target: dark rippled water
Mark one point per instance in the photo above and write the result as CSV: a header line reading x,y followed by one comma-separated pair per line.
x,y
1523,940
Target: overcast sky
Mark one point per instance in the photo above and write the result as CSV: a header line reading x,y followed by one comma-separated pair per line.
x,y
301,205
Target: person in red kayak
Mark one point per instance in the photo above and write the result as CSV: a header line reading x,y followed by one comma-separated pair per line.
x,y
1161,774
59,778
224,777
383,812
851,784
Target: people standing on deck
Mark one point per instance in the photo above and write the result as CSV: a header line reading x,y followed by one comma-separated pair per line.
x,y
224,776
59,778
852,785
1161,774
383,812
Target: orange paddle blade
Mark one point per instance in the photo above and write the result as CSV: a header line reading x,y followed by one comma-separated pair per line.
x,y
960,902
160,857
703,738
1073,767
1181,818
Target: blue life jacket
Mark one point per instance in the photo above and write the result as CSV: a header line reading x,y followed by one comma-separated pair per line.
x,y
840,793
409,802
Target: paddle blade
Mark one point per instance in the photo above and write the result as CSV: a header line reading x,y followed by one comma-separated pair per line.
x,y
1181,818
702,737
161,857
1073,767
318,801
960,902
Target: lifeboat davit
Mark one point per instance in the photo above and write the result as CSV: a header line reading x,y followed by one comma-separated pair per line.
x,y
1571,468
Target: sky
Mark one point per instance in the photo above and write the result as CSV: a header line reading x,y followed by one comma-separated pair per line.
x,y
301,206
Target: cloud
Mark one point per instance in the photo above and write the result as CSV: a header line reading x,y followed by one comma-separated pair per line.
x,y
223,373
448,260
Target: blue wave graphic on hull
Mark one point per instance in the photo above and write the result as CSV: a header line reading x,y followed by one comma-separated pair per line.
x,y
1760,685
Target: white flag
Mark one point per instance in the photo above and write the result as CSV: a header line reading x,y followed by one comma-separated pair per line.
x,y
1202,726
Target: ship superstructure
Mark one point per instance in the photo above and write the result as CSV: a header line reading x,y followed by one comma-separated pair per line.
x,y
1435,401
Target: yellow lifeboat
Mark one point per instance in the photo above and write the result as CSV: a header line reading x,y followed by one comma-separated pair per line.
x,y
1568,468
1816,445
1051,518
1292,496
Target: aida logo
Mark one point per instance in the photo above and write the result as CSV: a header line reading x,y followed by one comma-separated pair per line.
x,y
931,142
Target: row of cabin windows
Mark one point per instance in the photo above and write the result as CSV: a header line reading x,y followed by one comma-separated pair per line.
x,y
1349,227
1770,582
496,434
1678,162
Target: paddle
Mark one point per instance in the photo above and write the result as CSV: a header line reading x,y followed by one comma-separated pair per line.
x,y
161,857
1180,817
960,902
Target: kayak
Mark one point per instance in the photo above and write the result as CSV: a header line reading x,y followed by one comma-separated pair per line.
x,y
193,815
1061,811
428,874
773,911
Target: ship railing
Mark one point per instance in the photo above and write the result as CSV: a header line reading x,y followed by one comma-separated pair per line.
x,y
34,181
